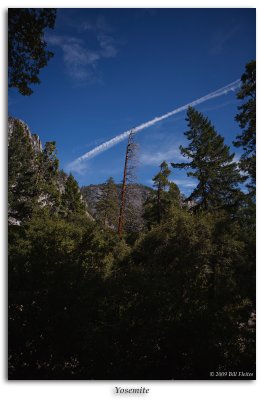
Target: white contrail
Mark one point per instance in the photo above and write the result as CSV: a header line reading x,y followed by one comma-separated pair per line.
x,y
75,165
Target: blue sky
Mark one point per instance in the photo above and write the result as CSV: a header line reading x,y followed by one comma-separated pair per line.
x,y
116,68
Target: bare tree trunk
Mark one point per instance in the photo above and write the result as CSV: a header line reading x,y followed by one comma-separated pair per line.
x,y
159,205
129,154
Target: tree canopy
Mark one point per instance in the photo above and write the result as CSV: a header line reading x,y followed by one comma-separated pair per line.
x,y
247,122
211,163
27,48
161,202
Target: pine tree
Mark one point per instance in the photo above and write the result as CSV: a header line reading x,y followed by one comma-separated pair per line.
x,y
49,177
72,202
211,163
166,196
27,49
247,121
107,207
23,189
174,196
161,183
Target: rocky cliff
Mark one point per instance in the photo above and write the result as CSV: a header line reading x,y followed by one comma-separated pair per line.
x,y
135,199
34,139
33,173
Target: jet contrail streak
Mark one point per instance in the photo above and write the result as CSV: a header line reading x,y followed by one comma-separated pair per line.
x,y
117,139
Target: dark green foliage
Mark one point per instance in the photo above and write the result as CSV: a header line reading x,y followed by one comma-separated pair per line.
x,y
23,185
58,296
247,122
34,179
187,308
175,307
163,200
212,164
72,202
43,278
107,207
161,183
49,175
27,52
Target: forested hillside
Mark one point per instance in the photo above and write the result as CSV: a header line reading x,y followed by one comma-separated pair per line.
x,y
174,298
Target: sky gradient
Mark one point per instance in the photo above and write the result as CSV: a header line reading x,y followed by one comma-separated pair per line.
x,y
114,69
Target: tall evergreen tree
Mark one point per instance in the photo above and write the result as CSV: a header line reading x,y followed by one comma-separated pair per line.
x,y
49,176
174,196
107,207
23,189
211,163
72,202
247,122
166,196
161,183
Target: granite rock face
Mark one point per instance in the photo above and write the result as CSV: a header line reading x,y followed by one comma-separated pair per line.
x,y
34,138
137,194
37,147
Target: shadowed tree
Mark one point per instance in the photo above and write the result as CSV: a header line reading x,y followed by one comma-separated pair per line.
x,y
72,202
49,172
23,185
27,53
163,200
107,206
161,183
211,163
247,122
